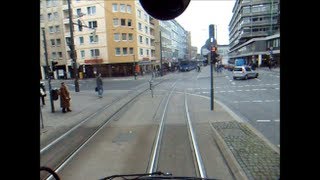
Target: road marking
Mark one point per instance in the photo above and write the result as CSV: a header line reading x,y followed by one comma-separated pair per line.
x,y
257,79
222,91
230,91
277,88
257,101
247,90
239,90
276,120
233,83
263,120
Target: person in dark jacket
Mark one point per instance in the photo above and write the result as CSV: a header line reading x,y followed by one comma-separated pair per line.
x,y
64,98
99,85
42,93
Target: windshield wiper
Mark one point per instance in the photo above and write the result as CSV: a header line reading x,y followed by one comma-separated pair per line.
x,y
154,175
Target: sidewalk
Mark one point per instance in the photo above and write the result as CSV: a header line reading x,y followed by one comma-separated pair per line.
x,y
246,151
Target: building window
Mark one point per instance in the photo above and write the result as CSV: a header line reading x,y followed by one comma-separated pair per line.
x,y
60,55
82,52
49,2
41,17
116,36
123,22
140,26
81,40
79,12
124,51
146,29
114,7
51,30
147,41
56,15
246,10
147,52
131,50
91,10
129,22
50,16
130,36
128,9
139,13
122,8
53,42
145,17
140,39
93,24
124,36
68,39
115,22
58,42
141,52
118,52
94,39
54,55
57,28
95,52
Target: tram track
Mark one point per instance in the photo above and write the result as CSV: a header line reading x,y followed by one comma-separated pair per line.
x,y
57,153
146,134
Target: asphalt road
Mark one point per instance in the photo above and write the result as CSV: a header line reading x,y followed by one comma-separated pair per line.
x,y
256,101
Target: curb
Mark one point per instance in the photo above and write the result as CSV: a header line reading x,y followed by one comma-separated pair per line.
x,y
236,169
256,132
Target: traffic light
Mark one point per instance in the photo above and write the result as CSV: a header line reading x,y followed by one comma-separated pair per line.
x,y
213,54
53,65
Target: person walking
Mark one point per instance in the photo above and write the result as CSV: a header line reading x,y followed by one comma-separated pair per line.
x,y
64,98
99,85
42,93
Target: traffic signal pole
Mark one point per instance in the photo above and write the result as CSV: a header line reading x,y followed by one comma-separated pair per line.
x,y
211,82
48,69
73,53
211,58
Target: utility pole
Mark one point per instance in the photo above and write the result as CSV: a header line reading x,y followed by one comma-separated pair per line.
x,y
161,68
134,67
48,69
73,53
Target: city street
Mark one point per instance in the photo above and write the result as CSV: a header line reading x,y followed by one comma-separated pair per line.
x,y
256,101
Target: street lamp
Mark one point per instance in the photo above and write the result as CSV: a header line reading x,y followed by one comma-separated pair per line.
x,y
72,51
161,69
48,69
134,67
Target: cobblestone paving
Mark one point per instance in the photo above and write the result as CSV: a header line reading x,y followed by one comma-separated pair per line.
x,y
255,157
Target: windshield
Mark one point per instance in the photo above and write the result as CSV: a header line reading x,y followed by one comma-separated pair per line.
x,y
127,89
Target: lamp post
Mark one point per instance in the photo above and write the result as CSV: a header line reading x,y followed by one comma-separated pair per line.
x,y
134,67
73,52
161,68
48,69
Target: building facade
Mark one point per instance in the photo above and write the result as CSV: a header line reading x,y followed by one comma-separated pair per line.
x,y
114,38
254,31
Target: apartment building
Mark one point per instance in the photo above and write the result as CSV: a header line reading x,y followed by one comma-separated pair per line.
x,y
110,37
254,31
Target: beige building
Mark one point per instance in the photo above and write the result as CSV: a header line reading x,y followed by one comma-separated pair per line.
x,y
110,37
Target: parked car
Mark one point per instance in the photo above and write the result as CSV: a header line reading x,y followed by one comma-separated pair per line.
x,y
244,72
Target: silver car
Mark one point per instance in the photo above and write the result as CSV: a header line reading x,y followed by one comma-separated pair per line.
x,y
244,72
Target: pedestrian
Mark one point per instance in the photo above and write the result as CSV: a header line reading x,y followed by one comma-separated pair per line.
x,y
42,93
99,85
64,98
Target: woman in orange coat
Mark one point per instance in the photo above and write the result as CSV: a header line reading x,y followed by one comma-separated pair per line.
x,y
64,98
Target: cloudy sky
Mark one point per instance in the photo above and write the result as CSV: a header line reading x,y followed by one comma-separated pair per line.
x,y
200,14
